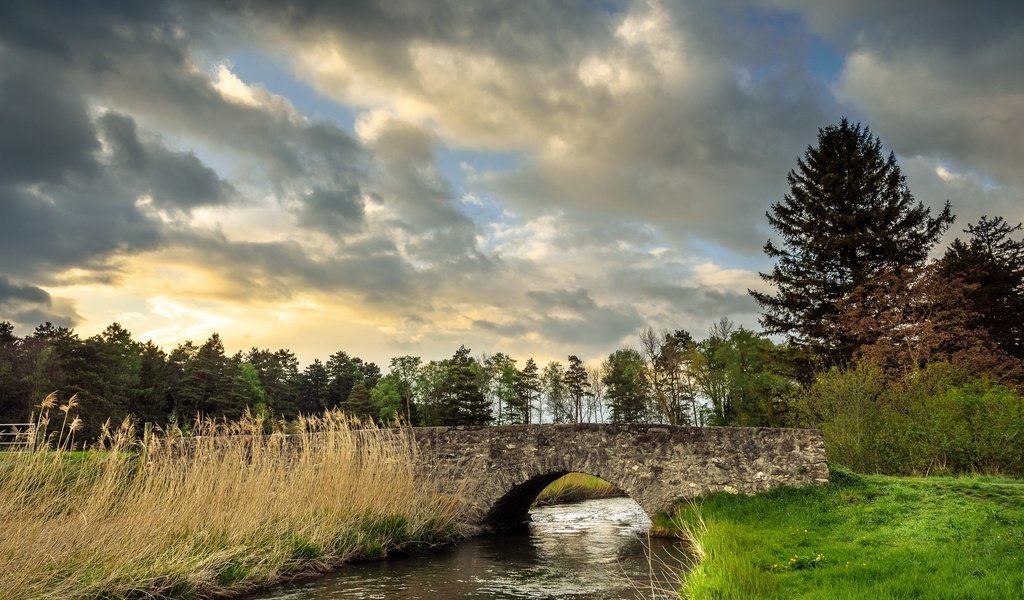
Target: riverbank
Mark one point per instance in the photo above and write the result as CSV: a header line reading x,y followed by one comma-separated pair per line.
x,y
234,513
576,487
861,536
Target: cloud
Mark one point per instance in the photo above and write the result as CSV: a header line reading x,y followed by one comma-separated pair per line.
x,y
640,144
177,180
28,305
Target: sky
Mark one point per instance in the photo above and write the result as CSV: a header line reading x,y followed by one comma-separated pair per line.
x,y
403,176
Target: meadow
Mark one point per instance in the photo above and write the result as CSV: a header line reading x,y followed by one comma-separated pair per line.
x,y
576,487
860,536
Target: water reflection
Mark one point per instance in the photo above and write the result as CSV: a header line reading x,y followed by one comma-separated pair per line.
x,y
593,549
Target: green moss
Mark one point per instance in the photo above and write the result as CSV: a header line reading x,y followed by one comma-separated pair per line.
x,y
861,537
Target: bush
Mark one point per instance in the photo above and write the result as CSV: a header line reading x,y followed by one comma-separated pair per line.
x,y
936,420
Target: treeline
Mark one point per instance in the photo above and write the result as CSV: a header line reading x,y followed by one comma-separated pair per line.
x,y
733,376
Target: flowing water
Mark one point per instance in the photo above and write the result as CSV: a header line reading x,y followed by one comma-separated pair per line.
x,y
589,550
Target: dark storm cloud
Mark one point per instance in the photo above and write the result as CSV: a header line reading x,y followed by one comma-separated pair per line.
x,y
45,134
176,180
60,206
29,305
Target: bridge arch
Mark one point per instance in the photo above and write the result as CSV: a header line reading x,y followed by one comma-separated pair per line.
x,y
512,510
498,471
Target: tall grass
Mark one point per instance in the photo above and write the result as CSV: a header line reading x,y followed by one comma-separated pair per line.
x,y
225,511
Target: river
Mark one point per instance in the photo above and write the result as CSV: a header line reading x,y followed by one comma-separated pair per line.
x,y
597,549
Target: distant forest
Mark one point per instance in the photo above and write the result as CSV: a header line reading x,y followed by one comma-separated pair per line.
x,y
733,376
876,329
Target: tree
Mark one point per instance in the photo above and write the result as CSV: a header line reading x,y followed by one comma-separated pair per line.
x,y
387,398
904,321
501,376
314,387
468,404
991,265
405,370
848,217
359,402
278,373
742,375
627,386
577,388
553,381
528,392
595,402
672,391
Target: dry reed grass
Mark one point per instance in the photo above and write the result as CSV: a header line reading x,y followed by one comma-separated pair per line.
x,y
218,514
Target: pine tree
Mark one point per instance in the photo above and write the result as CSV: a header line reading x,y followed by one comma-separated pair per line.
x,y
528,391
463,390
314,386
360,403
577,387
848,217
991,265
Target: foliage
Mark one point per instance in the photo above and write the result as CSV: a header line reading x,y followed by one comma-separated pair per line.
x,y
742,375
528,393
555,395
860,537
625,376
577,389
937,420
906,319
991,263
848,217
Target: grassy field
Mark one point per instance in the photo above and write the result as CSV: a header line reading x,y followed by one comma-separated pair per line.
x,y
235,512
861,537
575,487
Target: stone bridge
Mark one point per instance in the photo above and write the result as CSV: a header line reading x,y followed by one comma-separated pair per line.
x,y
500,470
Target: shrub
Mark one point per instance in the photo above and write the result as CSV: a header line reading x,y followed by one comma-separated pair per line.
x,y
935,420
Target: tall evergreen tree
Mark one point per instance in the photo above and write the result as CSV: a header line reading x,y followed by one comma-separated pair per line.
x,y
462,388
314,383
360,403
577,388
848,217
991,264
528,392
279,377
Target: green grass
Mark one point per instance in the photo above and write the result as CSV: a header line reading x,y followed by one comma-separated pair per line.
x,y
861,537
576,487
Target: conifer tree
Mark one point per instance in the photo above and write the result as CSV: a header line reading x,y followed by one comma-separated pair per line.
x,y
462,384
848,217
991,265
528,391
577,387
